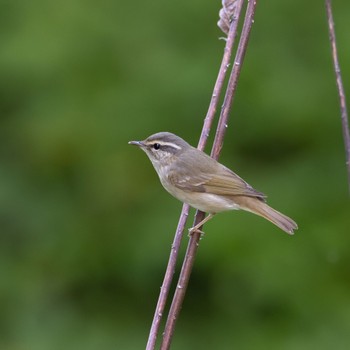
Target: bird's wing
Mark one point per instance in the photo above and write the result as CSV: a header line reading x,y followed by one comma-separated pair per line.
x,y
227,183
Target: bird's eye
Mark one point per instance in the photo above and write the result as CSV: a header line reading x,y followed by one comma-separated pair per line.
x,y
156,146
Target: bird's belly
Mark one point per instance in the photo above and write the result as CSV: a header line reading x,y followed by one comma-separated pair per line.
x,y
207,202
210,203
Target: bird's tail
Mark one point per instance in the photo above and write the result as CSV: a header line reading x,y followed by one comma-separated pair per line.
x,y
259,207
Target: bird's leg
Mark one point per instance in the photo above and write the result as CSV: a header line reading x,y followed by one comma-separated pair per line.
x,y
196,228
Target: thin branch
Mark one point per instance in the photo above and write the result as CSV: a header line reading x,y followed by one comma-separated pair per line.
x,y
208,121
168,277
195,237
164,292
341,92
232,84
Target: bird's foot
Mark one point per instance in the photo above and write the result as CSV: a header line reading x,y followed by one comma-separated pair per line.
x,y
194,229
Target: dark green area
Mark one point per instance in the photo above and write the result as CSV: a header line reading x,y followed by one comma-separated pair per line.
x,y
85,226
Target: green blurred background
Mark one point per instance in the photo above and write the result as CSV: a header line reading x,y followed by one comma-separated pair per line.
x,y
85,226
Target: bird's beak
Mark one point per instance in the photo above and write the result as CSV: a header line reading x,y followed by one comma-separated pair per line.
x,y
136,143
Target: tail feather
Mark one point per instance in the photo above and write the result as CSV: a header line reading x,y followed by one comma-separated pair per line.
x,y
258,207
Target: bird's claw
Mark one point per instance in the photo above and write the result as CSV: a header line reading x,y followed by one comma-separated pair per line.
x,y
192,230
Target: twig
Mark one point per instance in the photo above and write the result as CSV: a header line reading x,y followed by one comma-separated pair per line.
x,y
195,237
168,277
232,84
208,121
341,92
164,292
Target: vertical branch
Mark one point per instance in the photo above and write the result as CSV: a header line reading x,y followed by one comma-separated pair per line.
x,y
195,237
231,35
170,270
341,92
168,277
232,84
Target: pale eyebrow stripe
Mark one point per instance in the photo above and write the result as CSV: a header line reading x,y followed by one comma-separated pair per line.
x,y
165,144
170,144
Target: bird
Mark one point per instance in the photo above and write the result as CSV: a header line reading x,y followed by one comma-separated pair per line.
x,y
193,177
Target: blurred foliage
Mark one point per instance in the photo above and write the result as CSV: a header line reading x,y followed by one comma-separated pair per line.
x,y
85,226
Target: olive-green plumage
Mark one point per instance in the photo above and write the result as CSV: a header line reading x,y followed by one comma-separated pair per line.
x,y
193,177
